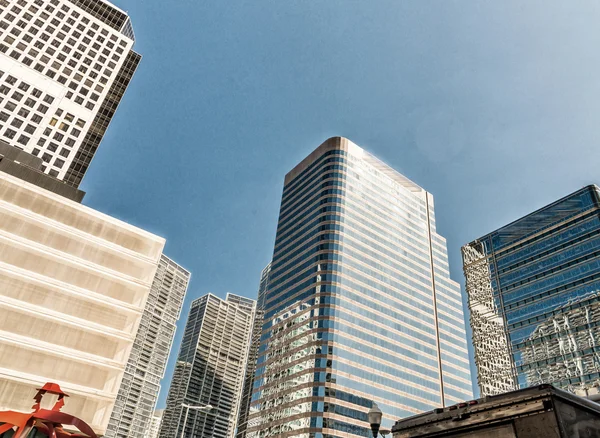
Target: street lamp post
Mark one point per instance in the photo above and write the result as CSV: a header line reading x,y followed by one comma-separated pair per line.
x,y
374,416
206,408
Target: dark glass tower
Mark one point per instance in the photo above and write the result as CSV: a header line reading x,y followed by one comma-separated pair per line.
x,y
359,306
533,290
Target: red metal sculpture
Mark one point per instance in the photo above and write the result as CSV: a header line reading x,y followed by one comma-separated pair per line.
x,y
48,421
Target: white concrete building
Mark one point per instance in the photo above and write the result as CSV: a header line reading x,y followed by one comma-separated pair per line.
x,y
210,368
136,401
64,67
73,286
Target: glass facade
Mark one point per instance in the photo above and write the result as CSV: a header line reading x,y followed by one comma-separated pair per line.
x,y
359,306
533,290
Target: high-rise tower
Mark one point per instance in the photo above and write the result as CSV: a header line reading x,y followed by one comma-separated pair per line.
x,y
534,294
138,392
64,67
359,306
210,369
244,413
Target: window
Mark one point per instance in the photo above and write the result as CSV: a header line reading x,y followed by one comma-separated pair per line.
x,y
42,108
48,98
30,129
35,151
75,132
41,141
36,118
63,127
47,131
69,117
23,112
30,102
17,123
23,86
46,157
52,147
70,142
17,96
9,133
53,121
58,136
4,116
64,152
59,163
23,139
11,80
10,106
53,173
4,89
36,92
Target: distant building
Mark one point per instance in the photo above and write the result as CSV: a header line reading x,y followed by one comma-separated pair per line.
x,y
138,393
64,68
533,289
360,307
155,424
242,422
73,284
210,369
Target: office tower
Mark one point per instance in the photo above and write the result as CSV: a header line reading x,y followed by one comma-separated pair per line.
x,y
244,412
138,393
64,67
155,424
533,288
359,306
210,369
73,284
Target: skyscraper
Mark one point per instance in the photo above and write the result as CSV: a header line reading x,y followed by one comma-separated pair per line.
x,y
210,369
73,284
138,393
244,411
64,67
533,288
359,306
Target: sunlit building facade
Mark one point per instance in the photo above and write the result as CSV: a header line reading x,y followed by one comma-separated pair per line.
x,y
64,68
359,306
73,286
132,415
210,369
533,289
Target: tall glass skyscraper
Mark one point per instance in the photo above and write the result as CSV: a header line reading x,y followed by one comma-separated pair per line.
x,y
534,295
359,306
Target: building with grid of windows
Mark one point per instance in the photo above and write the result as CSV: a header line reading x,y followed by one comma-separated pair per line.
x,y
64,67
534,293
138,393
73,286
359,308
210,369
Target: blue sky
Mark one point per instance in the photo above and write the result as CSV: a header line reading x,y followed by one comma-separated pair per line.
x,y
491,106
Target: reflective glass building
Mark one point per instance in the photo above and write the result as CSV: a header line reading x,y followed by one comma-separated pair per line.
x,y
359,306
533,290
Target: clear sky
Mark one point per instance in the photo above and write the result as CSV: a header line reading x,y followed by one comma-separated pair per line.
x,y
492,106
